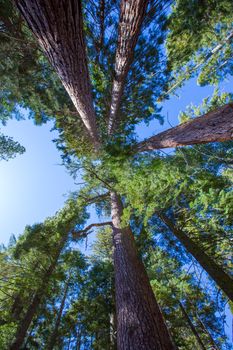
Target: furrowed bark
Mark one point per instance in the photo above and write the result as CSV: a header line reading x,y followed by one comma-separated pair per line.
x,y
58,27
215,126
131,17
140,324
221,278
32,309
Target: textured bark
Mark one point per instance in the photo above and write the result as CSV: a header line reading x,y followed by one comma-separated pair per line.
x,y
53,337
32,309
192,327
131,17
221,278
215,126
58,27
140,324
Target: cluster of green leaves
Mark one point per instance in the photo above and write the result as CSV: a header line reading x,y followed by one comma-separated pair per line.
x,y
9,148
200,41
27,263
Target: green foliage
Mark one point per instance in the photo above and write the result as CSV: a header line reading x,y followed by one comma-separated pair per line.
x,y
9,148
192,185
25,263
200,41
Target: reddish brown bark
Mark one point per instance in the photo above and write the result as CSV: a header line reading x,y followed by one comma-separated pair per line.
x,y
58,27
215,126
221,278
131,17
140,324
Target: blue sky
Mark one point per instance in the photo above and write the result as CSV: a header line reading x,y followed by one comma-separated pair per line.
x,y
34,185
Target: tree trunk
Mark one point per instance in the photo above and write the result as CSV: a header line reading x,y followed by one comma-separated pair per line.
x,y
221,278
58,27
131,17
205,330
53,337
140,324
215,126
112,331
192,327
32,309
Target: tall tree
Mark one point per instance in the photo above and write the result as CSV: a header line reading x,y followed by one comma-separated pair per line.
x,y
131,17
215,126
59,228
222,279
140,324
58,28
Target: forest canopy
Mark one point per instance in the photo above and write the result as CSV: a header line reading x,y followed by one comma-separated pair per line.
x,y
159,274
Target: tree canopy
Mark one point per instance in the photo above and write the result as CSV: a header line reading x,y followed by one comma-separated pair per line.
x,y
160,271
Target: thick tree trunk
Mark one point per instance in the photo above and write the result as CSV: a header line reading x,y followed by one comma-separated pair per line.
x,y
58,27
215,126
53,337
32,309
140,324
221,278
131,17
192,327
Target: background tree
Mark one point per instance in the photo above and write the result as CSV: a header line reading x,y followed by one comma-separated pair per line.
x,y
140,185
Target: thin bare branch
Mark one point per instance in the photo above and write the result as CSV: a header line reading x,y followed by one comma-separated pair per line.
x,y
83,233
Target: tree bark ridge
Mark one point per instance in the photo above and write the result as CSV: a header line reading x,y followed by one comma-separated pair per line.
x,y
140,324
215,126
58,27
131,17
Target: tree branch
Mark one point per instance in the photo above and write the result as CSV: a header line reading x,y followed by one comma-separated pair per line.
x,y
215,126
83,233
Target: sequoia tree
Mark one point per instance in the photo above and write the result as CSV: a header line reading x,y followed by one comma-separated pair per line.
x,y
89,65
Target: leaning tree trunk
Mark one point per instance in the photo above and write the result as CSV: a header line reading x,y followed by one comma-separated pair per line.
x,y
214,346
221,278
192,327
58,27
140,324
131,17
215,126
53,337
33,307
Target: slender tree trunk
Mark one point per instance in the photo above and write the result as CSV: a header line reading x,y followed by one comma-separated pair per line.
x,y
78,339
112,330
32,309
192,327
222,279
58,27
53,337
131,17
215,126
140,324
211,340
17,308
